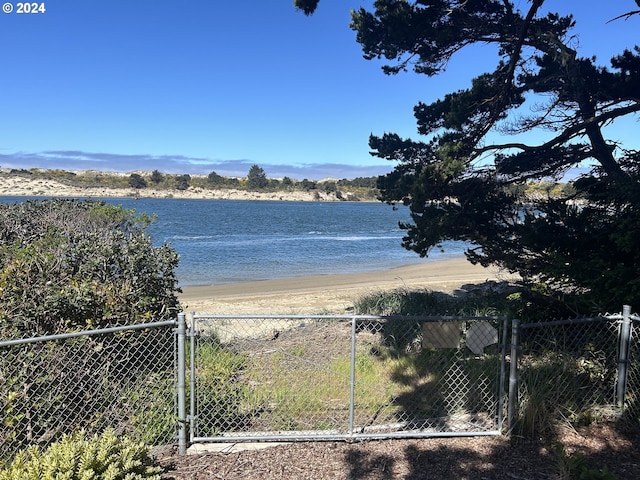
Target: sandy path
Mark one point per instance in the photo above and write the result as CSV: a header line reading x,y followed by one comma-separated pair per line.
x,y
331,293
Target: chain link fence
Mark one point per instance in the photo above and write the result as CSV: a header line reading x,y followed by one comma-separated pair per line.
x,y
579,371
234,378
121,377
332,377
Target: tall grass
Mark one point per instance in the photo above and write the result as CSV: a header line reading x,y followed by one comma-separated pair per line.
x,y
405,301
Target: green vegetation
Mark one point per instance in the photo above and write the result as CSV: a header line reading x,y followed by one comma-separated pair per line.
x,y
568,373
405,301
156,177
301,381
67,264
76,457
256,178
182,182
565,377
136,181
574,467
561,387
151,400
220,392
360,188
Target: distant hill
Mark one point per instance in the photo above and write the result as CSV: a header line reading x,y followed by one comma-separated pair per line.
x,y
91,183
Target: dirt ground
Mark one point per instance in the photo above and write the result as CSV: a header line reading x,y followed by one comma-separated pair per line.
x,y
612,446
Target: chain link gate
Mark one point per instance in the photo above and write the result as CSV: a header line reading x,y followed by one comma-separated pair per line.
x,y
317,377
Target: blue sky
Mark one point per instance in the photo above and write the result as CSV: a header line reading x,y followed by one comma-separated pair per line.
x,y
191,87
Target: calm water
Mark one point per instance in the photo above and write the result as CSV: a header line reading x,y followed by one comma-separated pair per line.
x,y
226,241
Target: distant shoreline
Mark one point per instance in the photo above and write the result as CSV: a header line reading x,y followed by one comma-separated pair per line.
x,y
17,186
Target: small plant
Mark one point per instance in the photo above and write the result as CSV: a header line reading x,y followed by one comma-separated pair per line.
x,y
574,466
76,457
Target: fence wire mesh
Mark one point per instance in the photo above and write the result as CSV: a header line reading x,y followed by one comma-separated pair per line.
x,y
123,380
313,377
632,394
567,371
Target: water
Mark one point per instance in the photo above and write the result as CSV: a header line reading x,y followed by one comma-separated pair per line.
x,y
227,241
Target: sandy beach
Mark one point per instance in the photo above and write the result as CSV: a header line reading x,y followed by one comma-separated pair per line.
x,y
318,294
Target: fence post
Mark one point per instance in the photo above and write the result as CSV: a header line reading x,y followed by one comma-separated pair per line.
x,y
352,376
623,355
513,372
192,376
181,384
503,361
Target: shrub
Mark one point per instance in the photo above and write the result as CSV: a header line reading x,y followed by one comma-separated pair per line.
x,y
75,457
214,179
68,264
136,181
183,182
157,177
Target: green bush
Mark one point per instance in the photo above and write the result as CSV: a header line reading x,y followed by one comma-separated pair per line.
x,y
88,383
68,264
405,301
136,181
76,457
152,401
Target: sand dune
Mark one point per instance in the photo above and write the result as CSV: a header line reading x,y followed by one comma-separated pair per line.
x,y
12,185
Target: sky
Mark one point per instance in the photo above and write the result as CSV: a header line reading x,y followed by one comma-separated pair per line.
x,y
211,85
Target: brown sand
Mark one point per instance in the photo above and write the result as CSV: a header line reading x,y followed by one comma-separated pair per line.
x,y
331,293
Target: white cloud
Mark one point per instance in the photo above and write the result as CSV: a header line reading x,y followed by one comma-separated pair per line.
x,y
77,160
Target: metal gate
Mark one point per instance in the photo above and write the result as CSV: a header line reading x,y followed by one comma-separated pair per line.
x,y
317,377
